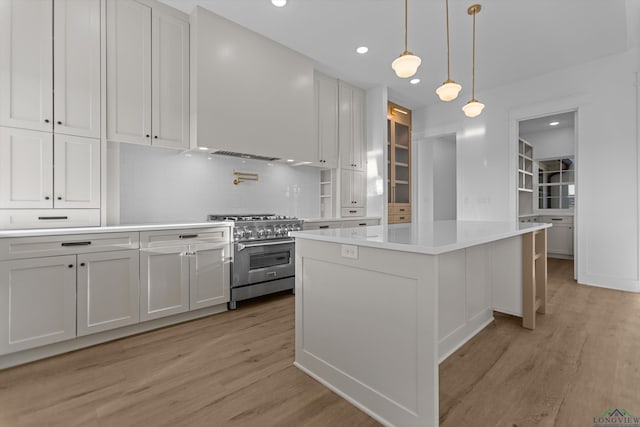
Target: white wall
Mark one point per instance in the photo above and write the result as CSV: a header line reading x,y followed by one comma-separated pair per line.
x,y
551,143
444,179
160,185
604,92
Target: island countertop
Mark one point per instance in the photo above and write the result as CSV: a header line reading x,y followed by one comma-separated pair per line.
x,y
432,238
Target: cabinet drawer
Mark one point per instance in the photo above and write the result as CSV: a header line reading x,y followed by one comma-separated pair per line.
x,y
557,219
399,219
399,209
152,239
42,246
12,219
352,212
360,223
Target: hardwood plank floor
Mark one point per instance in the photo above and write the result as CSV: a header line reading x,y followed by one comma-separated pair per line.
x,y
235,369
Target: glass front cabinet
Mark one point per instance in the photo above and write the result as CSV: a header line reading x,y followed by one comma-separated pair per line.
x,y
399,163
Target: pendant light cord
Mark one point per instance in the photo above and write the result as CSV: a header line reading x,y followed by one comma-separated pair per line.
x,y
473,60
448,48
406,2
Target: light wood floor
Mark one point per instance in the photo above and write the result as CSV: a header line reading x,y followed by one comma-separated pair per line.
x,y
234,369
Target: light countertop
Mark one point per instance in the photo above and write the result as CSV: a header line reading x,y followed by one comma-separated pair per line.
x,y
348,218
109,229
430,238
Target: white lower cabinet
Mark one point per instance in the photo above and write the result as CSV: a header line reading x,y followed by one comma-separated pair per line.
x,y
209,275
37,302
183,270
164,278
559,236
108,290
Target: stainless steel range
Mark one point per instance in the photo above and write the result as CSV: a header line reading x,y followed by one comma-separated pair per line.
x,y
263,254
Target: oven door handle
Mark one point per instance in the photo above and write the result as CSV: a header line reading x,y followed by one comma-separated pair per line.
x,y
242,246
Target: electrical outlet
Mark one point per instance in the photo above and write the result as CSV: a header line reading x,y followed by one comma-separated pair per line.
x,y
349,251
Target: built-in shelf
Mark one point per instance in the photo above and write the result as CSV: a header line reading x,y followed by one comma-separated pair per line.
x,y
526,190
402,147
404,165
402,182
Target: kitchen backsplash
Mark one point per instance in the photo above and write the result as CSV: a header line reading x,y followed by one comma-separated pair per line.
x,y
161,185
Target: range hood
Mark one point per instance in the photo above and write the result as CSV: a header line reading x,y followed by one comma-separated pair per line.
x,y
244,155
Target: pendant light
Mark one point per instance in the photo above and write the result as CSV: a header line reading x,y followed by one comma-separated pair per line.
x,y
473,108
407,63
449,89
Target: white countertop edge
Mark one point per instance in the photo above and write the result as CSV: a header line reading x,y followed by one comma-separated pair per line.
x,y
323,235
348,218
110,229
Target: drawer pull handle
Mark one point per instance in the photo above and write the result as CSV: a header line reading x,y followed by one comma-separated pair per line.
x,y
401,217
76,244
44,218
188,236
353,211
362,223
402,210
324,226
556,219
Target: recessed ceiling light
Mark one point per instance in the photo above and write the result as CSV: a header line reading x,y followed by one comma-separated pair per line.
x,y
203,148
279,3
414,81
290,160
554,123
362,49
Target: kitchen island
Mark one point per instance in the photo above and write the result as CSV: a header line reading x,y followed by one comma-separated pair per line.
x,y
377,308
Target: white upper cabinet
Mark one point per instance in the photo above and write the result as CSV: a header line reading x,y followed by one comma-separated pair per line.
x,y
26,168
147,75
49,46
76,172
76,73
28,179
128,72
26,64
170,81
326,119
351,127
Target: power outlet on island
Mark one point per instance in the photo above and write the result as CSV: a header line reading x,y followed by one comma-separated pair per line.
x,y
349,251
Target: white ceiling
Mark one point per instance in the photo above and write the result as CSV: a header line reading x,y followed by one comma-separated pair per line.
x,y
566,120
516,39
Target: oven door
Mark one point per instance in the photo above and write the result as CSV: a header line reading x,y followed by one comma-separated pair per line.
x,y
263,261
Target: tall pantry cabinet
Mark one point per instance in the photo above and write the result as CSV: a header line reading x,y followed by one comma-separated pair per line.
x,y
50,112
399,163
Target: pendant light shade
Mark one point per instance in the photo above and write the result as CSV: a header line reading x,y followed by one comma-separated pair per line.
x,y
406,65
473,108
449,89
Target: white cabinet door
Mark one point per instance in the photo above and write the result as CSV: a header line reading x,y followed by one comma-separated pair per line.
x,y
326,119
352,189
26,169
77,172
76,46
170,81
209,278
37,302
351,127
560,239
128,72
26,64
164,282
108,290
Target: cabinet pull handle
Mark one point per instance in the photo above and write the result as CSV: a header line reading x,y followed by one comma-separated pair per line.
x,y
324,226
70,265
401,209
59,197
52,217
353,211
76,243
401,217
147,136
362,223
188,236
82,264
59,122
46,120
155,137
556,219
47,197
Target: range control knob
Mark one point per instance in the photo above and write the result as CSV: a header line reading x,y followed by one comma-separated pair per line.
x,y
261,233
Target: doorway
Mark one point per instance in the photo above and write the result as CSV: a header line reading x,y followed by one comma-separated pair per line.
x,y
437,178
546,186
